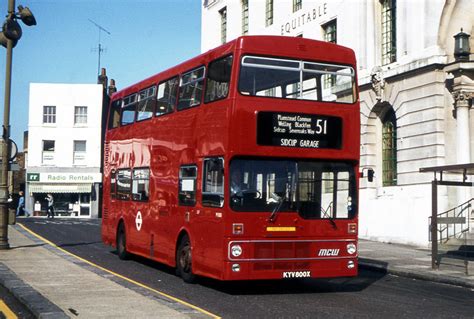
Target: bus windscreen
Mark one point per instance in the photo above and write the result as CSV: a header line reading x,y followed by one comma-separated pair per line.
x,y
295,79
313,189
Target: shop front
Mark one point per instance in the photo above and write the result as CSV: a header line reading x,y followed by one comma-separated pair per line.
x,y
74,194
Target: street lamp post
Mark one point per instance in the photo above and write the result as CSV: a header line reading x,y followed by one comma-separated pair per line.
x,y
11,33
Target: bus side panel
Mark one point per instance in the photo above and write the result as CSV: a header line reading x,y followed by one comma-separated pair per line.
x,y
163,195
173,147
208,222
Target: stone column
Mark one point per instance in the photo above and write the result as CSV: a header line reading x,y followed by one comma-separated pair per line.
x,y
463,143
461,87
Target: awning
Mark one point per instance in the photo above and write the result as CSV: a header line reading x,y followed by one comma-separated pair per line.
x,y
59,188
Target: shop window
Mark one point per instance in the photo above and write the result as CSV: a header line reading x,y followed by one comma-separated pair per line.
x,y
141,184
218,79
146,103
167,93
187,185
124,183
213,182
129,109
190,89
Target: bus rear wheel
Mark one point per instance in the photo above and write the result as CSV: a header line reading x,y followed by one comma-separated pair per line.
x,y
184,261
122,243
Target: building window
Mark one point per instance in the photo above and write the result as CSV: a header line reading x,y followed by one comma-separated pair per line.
x,y
389,149
297,5
245,17
49,114
48,152
80,115
269,12
223,14
330,35
389,39
330,31
79,156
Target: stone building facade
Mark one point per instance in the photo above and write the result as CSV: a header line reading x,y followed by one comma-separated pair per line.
x,y
409,116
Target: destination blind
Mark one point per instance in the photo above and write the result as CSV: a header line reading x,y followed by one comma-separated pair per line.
x,y
299,130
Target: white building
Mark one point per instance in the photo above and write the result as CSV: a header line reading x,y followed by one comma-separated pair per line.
x,y
405,56
64,148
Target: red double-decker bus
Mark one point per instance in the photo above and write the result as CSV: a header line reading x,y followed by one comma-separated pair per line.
x,y
239,164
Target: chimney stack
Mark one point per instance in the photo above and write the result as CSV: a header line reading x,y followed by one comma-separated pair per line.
x,y
112,87
102,79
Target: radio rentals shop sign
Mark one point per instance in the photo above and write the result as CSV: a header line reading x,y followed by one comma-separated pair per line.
x,y
64,178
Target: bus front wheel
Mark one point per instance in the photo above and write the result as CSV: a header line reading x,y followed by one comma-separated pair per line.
x,y
184,261
122,243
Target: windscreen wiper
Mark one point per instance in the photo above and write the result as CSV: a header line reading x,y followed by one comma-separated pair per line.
x,y
280,200
328,215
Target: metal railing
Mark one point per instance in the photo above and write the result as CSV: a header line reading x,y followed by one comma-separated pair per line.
x,y
453,223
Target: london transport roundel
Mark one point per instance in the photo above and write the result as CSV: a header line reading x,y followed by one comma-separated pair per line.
x,y
138,221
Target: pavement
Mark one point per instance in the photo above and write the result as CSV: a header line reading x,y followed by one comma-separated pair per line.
x,y
61,285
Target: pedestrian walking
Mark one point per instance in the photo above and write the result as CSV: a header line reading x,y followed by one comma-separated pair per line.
x,y
21,206
50,200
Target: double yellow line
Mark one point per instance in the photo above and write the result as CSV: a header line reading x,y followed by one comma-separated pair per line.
x,y
118,275
6,311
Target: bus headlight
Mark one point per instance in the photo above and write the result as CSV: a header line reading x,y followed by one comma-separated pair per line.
x,y
236,250
351,248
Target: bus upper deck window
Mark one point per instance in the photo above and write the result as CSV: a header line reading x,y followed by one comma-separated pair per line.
x,y
146,103
129,109
190,89
218,79
167,95
114,115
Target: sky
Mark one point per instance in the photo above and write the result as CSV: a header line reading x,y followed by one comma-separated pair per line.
x,y
146,37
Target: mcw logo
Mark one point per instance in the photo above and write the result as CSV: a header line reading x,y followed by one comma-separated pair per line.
x,y
328,252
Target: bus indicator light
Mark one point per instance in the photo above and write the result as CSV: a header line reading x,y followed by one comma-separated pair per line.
x,y
237,229
352,228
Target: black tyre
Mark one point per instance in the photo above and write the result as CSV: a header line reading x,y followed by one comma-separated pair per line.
x,y
122,243
184,261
